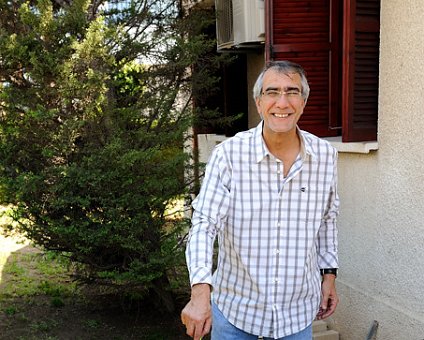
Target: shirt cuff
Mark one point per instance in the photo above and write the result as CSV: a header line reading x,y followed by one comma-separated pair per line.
x,y
328,260
200,275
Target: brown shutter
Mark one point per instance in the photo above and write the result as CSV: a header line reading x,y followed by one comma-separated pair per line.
x,y
306,32
360,69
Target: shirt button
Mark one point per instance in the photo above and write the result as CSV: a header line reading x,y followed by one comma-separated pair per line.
x,y
277,251
276,280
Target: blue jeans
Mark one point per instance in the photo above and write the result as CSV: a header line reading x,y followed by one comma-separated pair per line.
x,y
223,330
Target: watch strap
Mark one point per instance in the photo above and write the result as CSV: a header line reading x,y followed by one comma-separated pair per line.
x,y
329,271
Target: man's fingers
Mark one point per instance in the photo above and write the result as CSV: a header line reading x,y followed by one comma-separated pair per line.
x,y
207,327
327,308
190,329
199,331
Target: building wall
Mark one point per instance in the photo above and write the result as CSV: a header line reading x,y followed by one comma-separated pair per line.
x,y
381,224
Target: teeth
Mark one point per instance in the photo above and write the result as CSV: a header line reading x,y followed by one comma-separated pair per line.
x,y
281,115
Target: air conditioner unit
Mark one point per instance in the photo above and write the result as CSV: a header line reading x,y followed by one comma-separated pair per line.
x,y
240,23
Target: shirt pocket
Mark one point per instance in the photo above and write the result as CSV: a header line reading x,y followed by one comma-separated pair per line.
x,y
306,203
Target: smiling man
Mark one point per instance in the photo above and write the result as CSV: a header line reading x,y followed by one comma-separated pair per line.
x,y
270,195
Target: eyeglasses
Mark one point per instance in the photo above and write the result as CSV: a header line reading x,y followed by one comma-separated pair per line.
x,y
291,94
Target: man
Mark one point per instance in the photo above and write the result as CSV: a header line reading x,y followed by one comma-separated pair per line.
x,y
270,194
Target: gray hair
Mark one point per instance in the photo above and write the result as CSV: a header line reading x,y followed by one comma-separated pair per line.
x,y
284,67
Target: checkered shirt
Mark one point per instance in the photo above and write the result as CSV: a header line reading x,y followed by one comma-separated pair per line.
x,y
274,232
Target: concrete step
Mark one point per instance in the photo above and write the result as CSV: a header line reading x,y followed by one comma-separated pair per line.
x,y
320,331
319,326
326,335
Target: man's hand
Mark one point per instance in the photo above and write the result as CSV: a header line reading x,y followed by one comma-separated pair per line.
x,y
329,297
196,315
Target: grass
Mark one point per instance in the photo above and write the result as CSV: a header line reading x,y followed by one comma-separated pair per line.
x,y
34,273
39,300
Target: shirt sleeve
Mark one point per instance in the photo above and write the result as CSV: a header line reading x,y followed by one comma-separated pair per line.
x,y
210,210
327,236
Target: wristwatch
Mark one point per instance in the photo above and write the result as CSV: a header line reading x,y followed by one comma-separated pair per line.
x,y
329,271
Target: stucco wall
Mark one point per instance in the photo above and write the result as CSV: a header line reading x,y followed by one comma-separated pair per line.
x,y
382,215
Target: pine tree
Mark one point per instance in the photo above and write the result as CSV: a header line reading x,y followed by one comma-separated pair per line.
x,y
95,104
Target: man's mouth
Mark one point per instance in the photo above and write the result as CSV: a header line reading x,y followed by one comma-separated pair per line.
x,y
281,115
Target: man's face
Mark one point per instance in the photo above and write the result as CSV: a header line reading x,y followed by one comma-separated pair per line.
x,y
280,112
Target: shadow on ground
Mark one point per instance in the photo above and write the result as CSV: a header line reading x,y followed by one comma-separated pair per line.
x,y
54,313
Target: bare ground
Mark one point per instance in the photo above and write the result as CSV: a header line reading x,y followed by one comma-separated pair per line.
x,y
90,315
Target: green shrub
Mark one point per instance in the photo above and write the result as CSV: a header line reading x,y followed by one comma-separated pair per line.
x,y
92,132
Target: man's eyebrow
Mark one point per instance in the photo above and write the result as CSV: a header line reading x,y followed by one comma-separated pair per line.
x,y
292,88
288,88
271,88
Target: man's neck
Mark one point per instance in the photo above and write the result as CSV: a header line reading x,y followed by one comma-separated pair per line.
x,y
285,147
281,144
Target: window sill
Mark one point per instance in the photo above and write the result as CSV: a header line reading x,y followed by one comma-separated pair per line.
x,y
208,141
355,147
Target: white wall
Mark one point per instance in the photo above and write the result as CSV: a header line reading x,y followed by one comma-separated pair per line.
x,y
382,193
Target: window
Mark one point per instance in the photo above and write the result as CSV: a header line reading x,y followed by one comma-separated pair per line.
x,y
337,42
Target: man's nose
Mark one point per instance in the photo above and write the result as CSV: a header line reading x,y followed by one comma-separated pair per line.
x,y
282,101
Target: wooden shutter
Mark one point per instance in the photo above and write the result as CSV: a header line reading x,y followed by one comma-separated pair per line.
x,y
360,69
306,32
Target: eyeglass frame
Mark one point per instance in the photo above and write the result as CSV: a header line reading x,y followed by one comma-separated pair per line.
x,y
289,94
